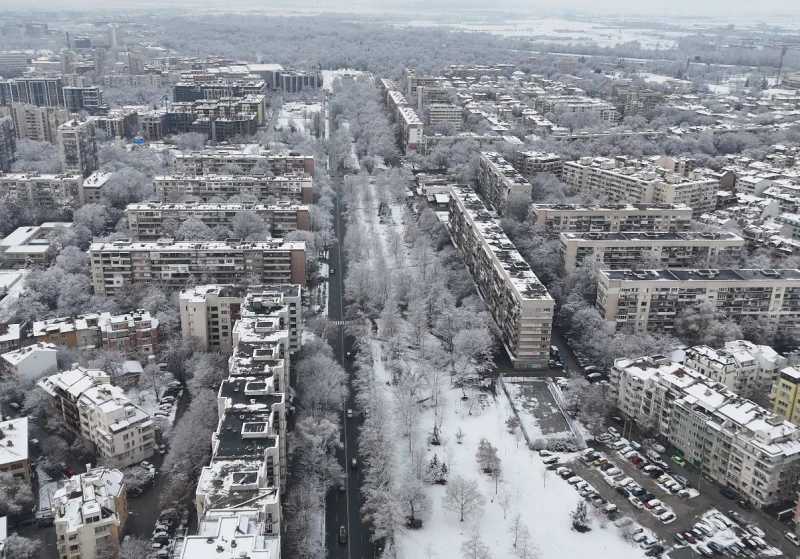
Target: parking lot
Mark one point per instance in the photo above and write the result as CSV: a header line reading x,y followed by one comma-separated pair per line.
x,y
733,530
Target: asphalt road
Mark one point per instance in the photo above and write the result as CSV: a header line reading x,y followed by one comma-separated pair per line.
x,y
343,508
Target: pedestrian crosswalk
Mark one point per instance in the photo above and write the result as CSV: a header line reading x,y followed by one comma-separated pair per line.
x,y
339,322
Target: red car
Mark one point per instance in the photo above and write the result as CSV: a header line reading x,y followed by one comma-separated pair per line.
x,y
637,460
689,538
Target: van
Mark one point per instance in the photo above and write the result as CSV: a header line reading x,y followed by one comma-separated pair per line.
x,y
619,445
635,445
653,455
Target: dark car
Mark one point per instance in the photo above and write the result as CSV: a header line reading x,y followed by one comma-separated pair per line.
x,y
744,505
342,535
646,497
622,491
749,544
639,492
617,419
655,473
567,474
655,551
729,494
614,515
715,547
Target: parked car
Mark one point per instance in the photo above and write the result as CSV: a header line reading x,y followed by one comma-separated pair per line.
x,y
600,461
755,530
62,466
680,540
792,538
689,537
704,551
736,517
617,419
613,432
715,547
655,551
679,461
613,472
636,502
656,473
729,494
668,517
606,466
567,474
551,460
652,503
610,481
659,510
45,521
622,491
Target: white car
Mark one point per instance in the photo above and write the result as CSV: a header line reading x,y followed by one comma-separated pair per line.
x,y
613,432
668,517
611,472
610,480
636,502
550,460
544,452
792,538
581,485
349,414
755,530
574,480
146,465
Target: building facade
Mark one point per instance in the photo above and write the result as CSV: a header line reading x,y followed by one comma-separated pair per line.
x,y
43,191
213,162
30,362
39,90
39,124
612,218
132,332
77,146
172,264
14,448
498,179
519,303
8,144
532,163
289,187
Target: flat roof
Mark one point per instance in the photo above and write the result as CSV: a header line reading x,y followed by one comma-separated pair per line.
x,y
13,440
702,275
647,236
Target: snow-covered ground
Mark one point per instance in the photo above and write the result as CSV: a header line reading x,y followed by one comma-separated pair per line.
x,y
47,487
12,282
300,114
143,395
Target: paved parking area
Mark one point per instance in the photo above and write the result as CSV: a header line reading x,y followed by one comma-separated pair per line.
x,y
537,400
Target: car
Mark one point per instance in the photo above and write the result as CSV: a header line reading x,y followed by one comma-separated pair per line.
x,y
716,522
683,493
759,542
68,470
639,492
648,542
682,480
15,406
734,550
649,468
551,460
792,538
617,419
600,461
679,461
610,481
333,271
677,488
349,414
561,469
581,485
748,543
659,510
598,501
162,539
342,530
655,551
722,518
707,529
689,537
736,517
146,465
704,551
624,482
606,466
744,505
698,535
638,461
342,486
544,452
353,464
622,491
611,472
680,540
603,437
608,508
636,502
662,479
755,530
45,521
669,484
715,547
652,503
574,480
729,494
657,473
668,517
566,475
586,491
167,399
156,545
613,432
34,443
614,515
646,497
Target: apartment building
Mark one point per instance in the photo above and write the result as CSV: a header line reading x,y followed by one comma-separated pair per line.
x,y
13,63
90,512
152,125
649,300
732,440
213,162
149,221
612,218
564,66
85,98
623,180
14,449
195,87
429,94
132,332
89,406
232,531
10,336
43,191
748,369
173,264
133,80
209,312
631,250
39,90
576,104
219,119
411,126
31,362
8,144
519,303
785,396
498,179
77,146
445,112
294,188
532,163
39,124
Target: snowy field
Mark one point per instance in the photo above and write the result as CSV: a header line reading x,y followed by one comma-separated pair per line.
x,y
298,114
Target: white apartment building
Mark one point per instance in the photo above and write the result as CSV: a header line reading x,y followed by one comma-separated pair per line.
x,y
532,163
497,179
101,414
649,300
624,180
410,123
296,188
232,531
39,124
174,264
612,218
43,191
209,312
77,146
213,162
446,112
731,439
631,250
747,369
147,220
519,303
90,510
576,104
30,362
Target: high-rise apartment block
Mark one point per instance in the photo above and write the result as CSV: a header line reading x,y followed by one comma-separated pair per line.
x,y
623,180
650,300
148,221
519,303
13,64
445,112
39,90
532,163
576,104
173,264
90,512
100,413
53,191
613,218
39,124
77,146
289,187
731,439
208,312
86,98
498,179
618,251
213,162
8,144
786,395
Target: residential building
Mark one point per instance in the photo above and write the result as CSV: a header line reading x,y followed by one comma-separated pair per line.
x,y
404,115
613,218
132,332
39,90
132,80
532,163
632,250
92,188
77,146
650,300
14,448
13,64
498,179
445,112
213,162
748,369
785,396
30,362
232,531
732,440
8,144
623,180
220,119
10,336
564,66
121,263
195,87
576,104
31,245
290,187
147,220
152,125
209,312
519,303
80,331
39,124
90,510
87,98
100,413
43,191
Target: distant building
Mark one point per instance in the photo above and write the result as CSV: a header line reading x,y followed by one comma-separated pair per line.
x,y
10,336
13,64
78,147
213,162
31,362
43,191
612,218
404,115
90,510
532,163
87,98
564,66
14,449
445,112
39,90
39,124
8,144
291,187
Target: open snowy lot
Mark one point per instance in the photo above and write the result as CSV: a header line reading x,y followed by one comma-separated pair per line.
x,y
297,114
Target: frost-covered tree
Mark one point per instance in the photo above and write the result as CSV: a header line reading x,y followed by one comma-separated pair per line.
x,y
20,547
474,548
190,141
16,496
250,227
463,497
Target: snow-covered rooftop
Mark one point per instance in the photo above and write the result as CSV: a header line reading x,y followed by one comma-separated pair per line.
x,y
13,440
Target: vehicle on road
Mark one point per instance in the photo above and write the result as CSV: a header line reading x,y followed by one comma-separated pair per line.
x,y
349,414
353,463
342,486
62,466
342,535
679,461
617,419
792,538
729,494
332,271
744,505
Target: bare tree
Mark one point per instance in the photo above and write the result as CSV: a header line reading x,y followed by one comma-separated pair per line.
x,y
474,548
463,497
525,548
514,529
